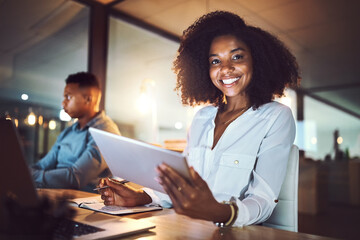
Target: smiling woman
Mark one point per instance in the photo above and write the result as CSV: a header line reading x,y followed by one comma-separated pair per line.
x,y
239,146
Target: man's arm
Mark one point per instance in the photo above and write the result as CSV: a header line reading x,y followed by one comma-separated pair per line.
x,y
82,168
87,167
49,161
46,163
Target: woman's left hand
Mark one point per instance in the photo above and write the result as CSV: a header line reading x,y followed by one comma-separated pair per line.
x,y
194,200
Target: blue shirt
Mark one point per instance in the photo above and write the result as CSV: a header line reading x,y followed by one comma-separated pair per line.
x,y
74,161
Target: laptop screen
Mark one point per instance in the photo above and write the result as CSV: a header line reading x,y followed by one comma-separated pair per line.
x,y
15,179
16,182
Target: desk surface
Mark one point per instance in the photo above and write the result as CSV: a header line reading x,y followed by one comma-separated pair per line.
x,y
170,225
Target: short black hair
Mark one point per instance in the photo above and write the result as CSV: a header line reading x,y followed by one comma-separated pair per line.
x,y
84,79
274,67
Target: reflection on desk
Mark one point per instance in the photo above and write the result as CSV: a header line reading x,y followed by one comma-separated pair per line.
x,y
170,225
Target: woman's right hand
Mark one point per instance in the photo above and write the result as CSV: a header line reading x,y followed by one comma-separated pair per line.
x,y
122,195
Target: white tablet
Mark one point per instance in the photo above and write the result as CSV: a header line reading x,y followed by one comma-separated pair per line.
x,y
136,161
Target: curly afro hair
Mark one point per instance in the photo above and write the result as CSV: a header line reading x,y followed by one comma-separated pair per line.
x,y
274,67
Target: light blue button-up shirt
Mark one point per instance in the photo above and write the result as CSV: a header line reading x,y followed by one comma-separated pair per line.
x,y
74,161
248,162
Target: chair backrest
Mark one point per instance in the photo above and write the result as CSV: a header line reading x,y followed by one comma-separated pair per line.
x,y
285,214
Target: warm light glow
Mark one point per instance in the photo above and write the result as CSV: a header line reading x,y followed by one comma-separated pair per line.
x,y
286,101
144,103
24,96
147,103
178,125
40,120
313,140
52,124
146,100
16,121
64,116
31,119
340,140
197,108
105,1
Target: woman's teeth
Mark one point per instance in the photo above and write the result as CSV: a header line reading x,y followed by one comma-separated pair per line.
x,y
230,81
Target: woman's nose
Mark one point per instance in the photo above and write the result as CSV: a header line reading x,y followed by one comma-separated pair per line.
x,y
227,68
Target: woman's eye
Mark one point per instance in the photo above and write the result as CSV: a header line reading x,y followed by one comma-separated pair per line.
x,y
214,61
238,56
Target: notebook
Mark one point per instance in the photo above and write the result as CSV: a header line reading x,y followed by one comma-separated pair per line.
x,y
97,204
22,190
136,161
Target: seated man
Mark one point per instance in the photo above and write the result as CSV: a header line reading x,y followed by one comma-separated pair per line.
x,y
75,161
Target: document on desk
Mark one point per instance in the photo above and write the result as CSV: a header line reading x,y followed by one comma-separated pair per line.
x,y
97,204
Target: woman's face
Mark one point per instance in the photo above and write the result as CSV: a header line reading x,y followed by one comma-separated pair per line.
x,y
230,65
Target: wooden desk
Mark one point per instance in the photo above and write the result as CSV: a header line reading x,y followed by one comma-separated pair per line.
x,y
170,225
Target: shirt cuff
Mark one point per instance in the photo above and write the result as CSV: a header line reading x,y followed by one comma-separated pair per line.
x,y
243,214
158,198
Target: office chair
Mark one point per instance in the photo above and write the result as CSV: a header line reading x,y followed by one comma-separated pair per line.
x,y
285,214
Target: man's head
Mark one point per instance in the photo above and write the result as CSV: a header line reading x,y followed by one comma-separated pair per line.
x,y
81,95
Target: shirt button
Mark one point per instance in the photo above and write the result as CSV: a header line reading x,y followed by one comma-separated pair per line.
x,y
236,161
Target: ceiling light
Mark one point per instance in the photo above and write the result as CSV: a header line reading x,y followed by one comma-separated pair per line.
x,y
52,124
40,120
24,96
31,119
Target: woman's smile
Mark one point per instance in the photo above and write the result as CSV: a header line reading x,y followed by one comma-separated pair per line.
x,y
230,80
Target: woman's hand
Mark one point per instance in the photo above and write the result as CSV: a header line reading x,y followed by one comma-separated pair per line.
x,y
194,200
122,195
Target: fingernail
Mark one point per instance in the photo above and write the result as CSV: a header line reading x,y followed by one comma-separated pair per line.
x,y
158,180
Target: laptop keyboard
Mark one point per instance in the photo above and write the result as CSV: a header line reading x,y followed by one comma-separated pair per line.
x,y
67,229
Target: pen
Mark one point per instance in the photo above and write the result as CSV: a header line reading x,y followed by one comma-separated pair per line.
x,y
117,181
99,188
111,180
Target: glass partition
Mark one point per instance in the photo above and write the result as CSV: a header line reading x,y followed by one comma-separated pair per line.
x,y
329,133
140,94
48,44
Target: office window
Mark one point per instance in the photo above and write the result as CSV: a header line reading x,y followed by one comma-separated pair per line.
x,y
36,55
326,129
140,94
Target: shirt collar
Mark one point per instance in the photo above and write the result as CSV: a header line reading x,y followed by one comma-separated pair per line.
x,y
98,116
91,123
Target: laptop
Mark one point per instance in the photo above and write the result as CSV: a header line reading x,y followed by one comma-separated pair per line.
x,y
136,161
22,190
